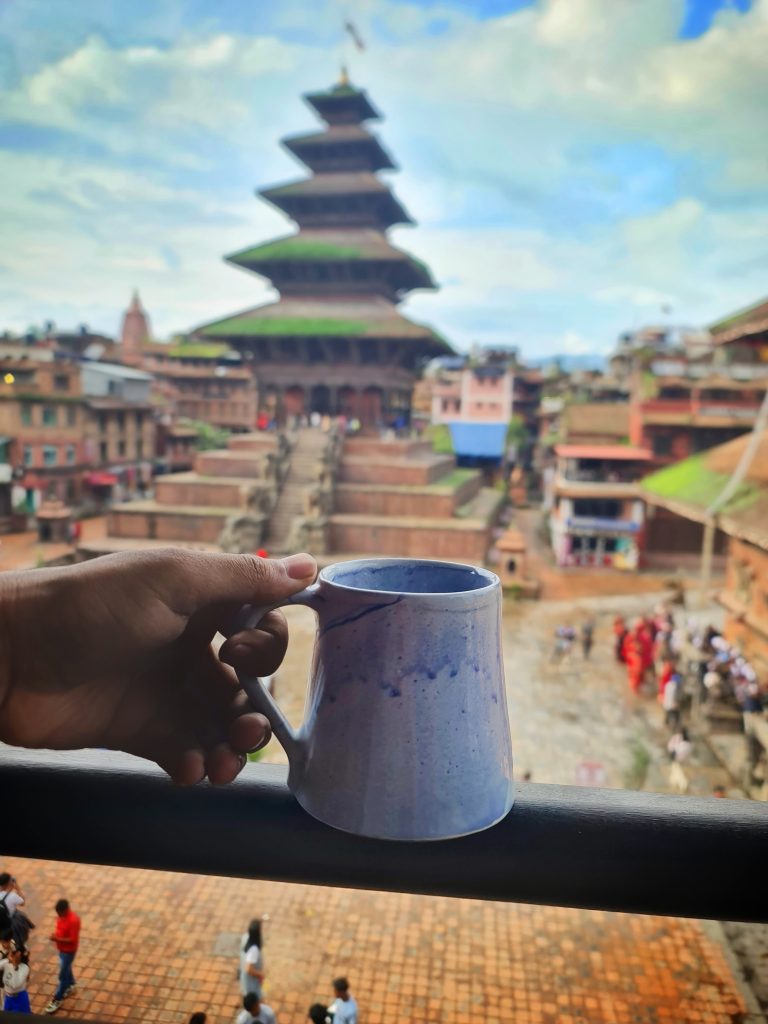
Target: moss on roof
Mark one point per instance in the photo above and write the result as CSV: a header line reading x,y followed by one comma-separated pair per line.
x,y
197,350
290,325
295,249
691,482
740,314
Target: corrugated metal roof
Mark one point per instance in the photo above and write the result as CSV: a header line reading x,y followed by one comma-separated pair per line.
x,y
479,440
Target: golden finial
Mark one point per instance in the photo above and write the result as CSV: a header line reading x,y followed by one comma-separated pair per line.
x,y
344,75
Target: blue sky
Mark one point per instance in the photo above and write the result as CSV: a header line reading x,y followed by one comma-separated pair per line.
x,y
573,165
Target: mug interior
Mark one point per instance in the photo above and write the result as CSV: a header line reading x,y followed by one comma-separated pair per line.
x,y
408,576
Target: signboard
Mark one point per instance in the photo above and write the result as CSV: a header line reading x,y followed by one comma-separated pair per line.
x,y
736,412
596,524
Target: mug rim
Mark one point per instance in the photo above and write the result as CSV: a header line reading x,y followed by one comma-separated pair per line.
x,y
492,580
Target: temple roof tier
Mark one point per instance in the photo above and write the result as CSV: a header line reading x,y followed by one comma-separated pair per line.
x,y
342,104
353,197
357,256
350,316
341,147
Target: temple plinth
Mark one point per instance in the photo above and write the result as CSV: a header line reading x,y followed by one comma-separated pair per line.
x,y
335,342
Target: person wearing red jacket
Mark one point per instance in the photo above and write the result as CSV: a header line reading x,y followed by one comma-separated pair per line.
x,y
66,936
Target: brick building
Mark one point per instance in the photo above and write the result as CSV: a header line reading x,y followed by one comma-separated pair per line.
x,y
80,431
202,381
596,507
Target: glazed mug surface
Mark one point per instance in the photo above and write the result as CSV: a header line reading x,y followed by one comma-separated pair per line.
x,y
406,733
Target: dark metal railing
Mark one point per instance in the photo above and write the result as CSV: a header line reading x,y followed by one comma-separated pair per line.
x,y
560,845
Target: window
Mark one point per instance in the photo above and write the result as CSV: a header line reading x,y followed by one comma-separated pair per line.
x,y
70,455
139,449
103,455
121,420
49,415
599,508
71,415
61,383
26,414
28,455
50,454
121,448
662,444
139,420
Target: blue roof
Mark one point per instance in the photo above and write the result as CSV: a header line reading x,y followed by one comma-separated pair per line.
x,y
479,440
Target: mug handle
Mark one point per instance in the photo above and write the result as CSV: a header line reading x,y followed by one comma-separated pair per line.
x,y
261,699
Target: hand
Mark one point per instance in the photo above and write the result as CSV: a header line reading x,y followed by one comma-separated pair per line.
x,y
116,652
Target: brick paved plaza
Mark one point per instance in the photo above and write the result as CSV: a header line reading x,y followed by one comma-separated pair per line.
x,y
157,946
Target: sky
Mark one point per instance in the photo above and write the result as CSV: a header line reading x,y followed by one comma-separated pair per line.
x,y
576,168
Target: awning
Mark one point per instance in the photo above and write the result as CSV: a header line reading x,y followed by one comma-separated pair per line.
x,y
101,479
479,440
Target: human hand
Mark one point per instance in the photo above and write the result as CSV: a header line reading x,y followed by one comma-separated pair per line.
x,y
116,652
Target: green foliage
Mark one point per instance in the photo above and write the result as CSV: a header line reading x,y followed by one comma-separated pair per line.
x,y
516,432
209,437
455,479
284,326
691,482
440,436
637,770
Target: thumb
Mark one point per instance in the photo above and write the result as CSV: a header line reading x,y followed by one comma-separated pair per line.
x,y
245,579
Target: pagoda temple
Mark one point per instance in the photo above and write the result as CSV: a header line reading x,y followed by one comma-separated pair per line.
x,y
335,341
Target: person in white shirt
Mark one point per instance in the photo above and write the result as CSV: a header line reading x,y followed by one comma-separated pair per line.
x,y
251,960
255,1012
15,970
344,1006
11,898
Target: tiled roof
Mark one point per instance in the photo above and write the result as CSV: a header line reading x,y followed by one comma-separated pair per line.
x,y
692,486
341,316
752,320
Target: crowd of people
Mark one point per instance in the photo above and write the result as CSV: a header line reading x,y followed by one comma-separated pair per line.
x,y
687,665
15,928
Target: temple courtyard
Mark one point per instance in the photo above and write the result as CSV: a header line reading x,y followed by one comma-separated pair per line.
x,y
158,946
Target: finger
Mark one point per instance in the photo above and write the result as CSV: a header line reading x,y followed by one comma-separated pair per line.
x,y
179,755
249,732
223,765
206,578
258,651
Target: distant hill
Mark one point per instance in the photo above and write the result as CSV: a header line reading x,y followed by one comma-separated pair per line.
x,y
569,363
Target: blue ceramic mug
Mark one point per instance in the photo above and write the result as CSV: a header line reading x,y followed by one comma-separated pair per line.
x,y
406,734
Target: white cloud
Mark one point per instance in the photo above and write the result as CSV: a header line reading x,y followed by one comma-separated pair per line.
x,y
497,124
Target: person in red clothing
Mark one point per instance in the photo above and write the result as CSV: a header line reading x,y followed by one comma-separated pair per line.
x,y
66,935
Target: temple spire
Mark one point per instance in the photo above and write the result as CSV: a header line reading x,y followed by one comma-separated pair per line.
x,y
135,327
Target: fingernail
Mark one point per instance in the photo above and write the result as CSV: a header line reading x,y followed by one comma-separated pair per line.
x,y
242,760
300,567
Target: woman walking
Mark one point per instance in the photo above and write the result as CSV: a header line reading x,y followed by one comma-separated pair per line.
x,y
251,960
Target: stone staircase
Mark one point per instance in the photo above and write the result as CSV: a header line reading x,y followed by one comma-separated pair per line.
x,y
303,472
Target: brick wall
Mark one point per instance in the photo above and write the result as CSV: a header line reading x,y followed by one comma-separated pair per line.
x,y
230,464
394,471
165,525
746,583
373,447
463,545
221,494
